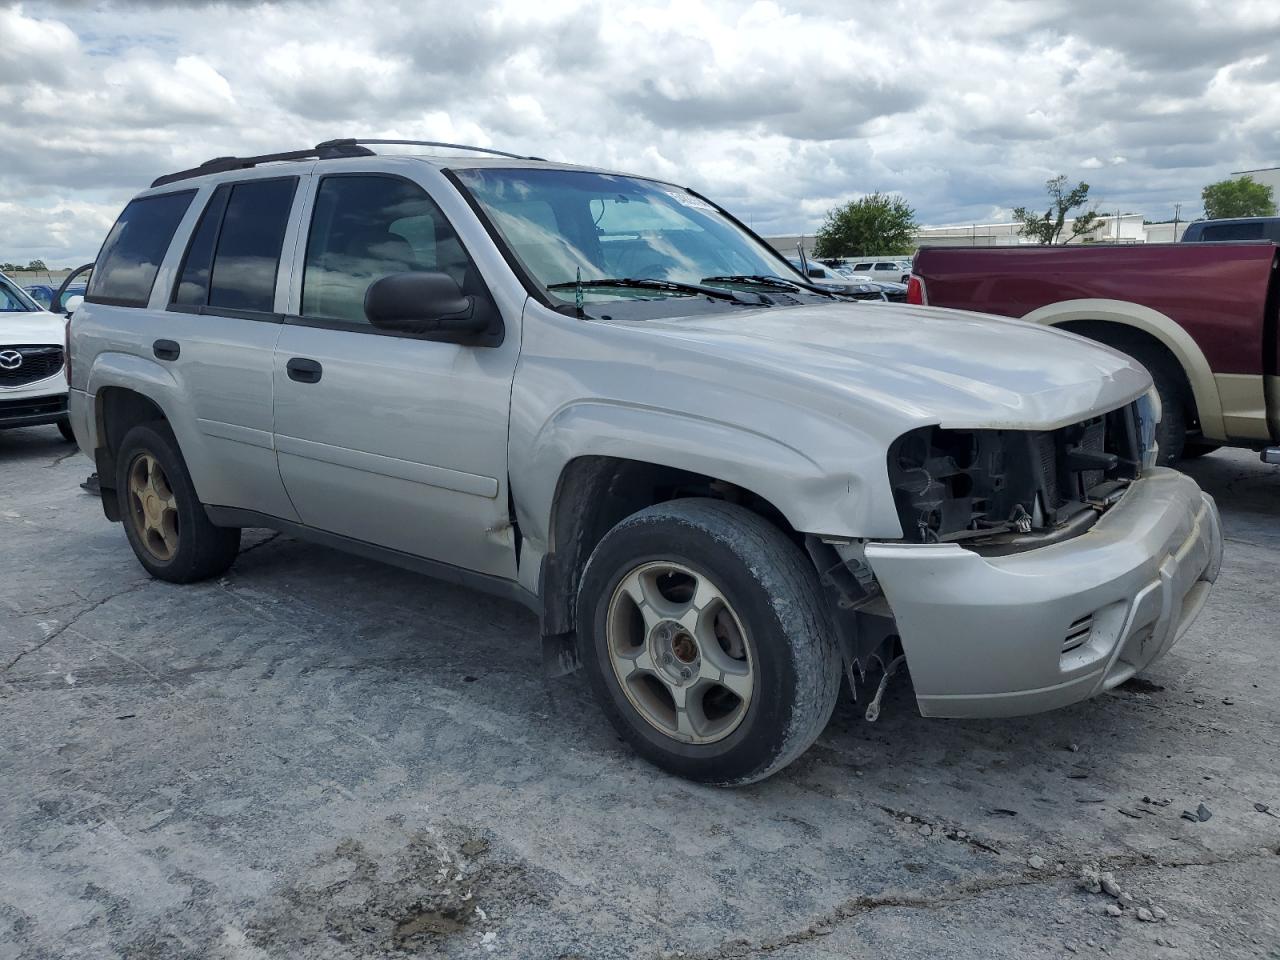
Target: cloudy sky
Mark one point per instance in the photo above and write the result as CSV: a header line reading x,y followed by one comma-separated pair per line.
x,y
778,109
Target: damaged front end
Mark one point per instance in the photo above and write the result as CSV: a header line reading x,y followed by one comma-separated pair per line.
x,y
992,492
1003,491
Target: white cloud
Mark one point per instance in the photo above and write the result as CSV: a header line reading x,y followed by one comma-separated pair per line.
x,y
777,109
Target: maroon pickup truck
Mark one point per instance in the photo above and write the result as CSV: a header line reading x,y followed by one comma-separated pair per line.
x,y
1201,317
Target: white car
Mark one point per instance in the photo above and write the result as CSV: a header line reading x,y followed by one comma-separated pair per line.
x,y
893,270
33,379
837,279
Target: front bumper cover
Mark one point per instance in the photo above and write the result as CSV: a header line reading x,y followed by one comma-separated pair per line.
x,y
1001,636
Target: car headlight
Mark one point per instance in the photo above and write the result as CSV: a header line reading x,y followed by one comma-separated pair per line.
x,y
1149,413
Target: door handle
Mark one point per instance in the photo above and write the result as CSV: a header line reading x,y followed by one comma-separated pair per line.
x,y
166,349
303,370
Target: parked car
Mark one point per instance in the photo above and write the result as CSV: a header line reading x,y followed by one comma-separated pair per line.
x,y
604,397
1201,317
841,281
1240,228
43,293
894,270
33,382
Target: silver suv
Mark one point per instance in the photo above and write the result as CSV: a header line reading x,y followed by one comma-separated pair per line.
x,y
722,488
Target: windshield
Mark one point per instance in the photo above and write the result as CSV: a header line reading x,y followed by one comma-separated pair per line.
x,y
566,225
13,300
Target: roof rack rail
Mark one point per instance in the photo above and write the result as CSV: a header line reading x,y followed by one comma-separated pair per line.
x,y
321,151
429,143
329,150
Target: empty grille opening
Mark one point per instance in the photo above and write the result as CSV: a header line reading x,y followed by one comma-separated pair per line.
x,y
1078,633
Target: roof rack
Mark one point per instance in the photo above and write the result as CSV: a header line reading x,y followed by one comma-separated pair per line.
x,y
329,150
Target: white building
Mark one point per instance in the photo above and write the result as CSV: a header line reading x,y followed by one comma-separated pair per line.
x,y
1270,176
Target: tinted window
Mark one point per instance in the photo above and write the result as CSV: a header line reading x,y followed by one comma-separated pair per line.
x,y
887,266
131,255
1233,231
366,228
863,266
248,254
197,265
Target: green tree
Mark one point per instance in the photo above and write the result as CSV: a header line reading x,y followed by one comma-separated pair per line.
x,y
878,224
1048,228
1239,197
36,265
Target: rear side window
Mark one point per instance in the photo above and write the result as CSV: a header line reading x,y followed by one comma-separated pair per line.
x,y
131,256
234,254
1233,231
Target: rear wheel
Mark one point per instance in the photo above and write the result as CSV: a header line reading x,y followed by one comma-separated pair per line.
x,y
163,518
707,641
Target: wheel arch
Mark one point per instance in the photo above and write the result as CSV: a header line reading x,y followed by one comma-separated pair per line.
x,y
126,391
593,493
1126,320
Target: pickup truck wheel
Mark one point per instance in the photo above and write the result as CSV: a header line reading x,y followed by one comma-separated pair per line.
x,y
163,518
707,641
1171,435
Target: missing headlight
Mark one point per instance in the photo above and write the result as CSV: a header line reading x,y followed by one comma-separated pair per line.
x,y
989,485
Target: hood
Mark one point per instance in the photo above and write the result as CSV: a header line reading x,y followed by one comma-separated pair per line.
x,y
924,364
17,329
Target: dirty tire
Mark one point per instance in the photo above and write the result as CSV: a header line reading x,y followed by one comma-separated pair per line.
x,y
1175,400
773,589
64,428
202,550
1196,449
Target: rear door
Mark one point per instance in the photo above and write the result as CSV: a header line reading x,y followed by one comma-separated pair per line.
x,y
220,328
383,437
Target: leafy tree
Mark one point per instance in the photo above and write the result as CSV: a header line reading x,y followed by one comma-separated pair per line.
x,y
36,265
875,225
1048,228
1240,197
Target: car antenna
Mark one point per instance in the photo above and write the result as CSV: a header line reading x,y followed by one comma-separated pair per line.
x,y
804,261
577,292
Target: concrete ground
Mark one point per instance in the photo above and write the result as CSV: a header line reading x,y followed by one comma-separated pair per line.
x,y
318,756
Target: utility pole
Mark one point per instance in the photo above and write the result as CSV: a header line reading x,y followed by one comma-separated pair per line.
x,y
1177,209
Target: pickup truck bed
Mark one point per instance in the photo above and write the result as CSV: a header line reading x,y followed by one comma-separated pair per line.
x,y
1201,316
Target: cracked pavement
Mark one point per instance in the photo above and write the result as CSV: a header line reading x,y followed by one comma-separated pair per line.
x,y
318,756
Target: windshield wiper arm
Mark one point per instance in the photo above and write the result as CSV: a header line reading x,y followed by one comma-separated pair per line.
x,y
757,280
653,284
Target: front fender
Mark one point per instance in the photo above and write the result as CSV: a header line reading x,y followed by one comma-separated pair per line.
x,y
814,497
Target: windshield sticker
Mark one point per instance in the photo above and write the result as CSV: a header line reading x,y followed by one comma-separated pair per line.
x,y
688,200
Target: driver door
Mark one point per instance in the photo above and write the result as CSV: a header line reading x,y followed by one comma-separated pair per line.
x,y
383,437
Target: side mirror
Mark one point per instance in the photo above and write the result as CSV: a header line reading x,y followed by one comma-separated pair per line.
x,y
72,304
423,302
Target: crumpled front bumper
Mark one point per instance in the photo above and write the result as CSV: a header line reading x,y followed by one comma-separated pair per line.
x,y
1002,636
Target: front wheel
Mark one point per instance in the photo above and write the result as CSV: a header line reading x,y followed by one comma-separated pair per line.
x,y
707,641
166,524
64,428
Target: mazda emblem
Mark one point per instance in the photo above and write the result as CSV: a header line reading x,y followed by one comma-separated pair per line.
x,y
10,359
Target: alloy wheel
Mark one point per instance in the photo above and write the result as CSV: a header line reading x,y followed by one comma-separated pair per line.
x,y
679,652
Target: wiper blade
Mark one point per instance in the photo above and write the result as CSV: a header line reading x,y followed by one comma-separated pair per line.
x,y
756,280
673,286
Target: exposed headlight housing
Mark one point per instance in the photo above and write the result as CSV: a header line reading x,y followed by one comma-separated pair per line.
x,y
991,487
